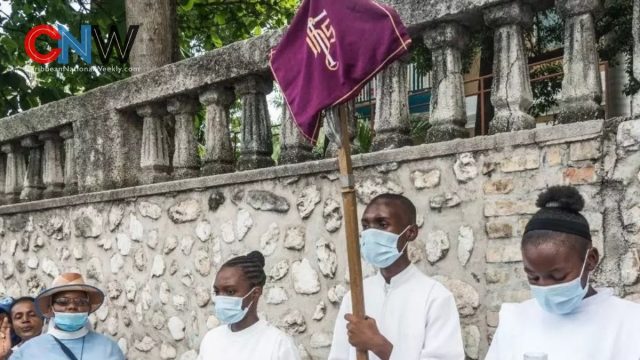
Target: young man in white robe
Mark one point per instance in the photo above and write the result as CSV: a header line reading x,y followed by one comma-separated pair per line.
x,y
410,316
568,319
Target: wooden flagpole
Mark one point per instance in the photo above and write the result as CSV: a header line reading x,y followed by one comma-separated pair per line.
x,y
351,219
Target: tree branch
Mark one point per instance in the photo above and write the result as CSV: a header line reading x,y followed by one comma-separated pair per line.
x,y
8,101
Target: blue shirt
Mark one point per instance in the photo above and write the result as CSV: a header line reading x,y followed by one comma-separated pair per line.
x,y
44,347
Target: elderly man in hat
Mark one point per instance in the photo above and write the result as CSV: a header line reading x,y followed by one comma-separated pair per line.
x,y
68,304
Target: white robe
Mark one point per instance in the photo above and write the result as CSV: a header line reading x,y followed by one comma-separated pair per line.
x,y
415,313
260,341
604,327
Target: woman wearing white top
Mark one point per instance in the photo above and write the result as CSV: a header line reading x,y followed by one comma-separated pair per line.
x,y
568,319
243,336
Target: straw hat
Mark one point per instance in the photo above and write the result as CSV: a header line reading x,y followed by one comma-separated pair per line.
x,y
68,282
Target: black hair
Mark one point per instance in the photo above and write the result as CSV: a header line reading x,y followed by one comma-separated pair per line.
x,y
559,220
252,266
407,206
19,300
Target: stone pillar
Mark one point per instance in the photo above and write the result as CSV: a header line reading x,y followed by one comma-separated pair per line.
x,y
257,145
220,157
70,174
448,114
33,185
511,90
107,150
154,156
185,156
14,175
581,87
635,100
294,147
3,169
391,124
52,163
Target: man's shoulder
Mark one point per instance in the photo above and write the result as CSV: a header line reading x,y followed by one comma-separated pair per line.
x,y
434,286
216,332
626,304
36,341
431,286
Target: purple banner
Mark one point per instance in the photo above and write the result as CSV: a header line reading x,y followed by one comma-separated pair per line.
x,y
331,49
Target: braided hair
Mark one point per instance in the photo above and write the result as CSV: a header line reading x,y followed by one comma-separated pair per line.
x,y
559,220
252,265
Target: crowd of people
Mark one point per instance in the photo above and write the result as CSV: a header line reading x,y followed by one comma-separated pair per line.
x,y
409,315
65,306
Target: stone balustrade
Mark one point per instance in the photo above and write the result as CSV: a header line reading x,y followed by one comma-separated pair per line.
x,y
140,130
219,156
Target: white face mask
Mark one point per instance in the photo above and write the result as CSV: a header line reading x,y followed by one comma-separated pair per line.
x,y
228,309
562,298
380,248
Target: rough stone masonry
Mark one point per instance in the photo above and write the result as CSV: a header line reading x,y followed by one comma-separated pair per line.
x,y
155,249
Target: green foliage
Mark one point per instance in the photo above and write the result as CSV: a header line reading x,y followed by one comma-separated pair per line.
x,y
545,92
419,127
199,124
364,135
209,24
546,33
275,140
23,84
202,25
614,31
421,57
235,127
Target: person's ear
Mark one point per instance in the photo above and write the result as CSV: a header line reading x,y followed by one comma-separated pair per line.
x,y
407,236
255,294
411,233
593,258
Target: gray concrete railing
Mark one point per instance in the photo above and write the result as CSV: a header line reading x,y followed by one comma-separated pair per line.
x,y
139,130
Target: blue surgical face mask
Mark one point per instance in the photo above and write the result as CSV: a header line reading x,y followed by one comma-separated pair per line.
x,y
228,309
380,248
562,299
70,322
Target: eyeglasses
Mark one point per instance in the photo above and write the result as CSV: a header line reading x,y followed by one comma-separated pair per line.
x,y
67,301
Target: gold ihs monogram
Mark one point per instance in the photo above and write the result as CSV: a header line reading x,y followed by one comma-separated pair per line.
x,y
321,39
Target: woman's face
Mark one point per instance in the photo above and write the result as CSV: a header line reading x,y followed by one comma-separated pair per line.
x,y
231,281
555,262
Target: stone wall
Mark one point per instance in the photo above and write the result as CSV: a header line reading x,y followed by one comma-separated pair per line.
x,y
155,249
